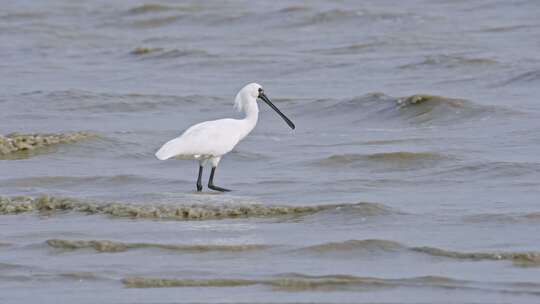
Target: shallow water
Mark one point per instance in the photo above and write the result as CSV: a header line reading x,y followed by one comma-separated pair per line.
x,y
413,175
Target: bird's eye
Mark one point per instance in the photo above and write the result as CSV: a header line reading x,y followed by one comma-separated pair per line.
x,y
261,90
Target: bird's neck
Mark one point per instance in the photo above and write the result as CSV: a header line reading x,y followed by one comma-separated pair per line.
x,y
252,115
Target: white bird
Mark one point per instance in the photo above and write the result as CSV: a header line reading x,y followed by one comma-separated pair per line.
x,y
208,141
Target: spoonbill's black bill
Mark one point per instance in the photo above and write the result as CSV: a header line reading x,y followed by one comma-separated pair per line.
x,y
208,141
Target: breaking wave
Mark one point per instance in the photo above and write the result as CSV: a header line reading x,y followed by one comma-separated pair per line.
x,y
112,246
423,109
518,258
530,258
26,143
141,282
295,282
197,211
429,108
364,209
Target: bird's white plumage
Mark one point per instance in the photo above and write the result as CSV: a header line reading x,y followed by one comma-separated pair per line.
x,y
206,139
210,140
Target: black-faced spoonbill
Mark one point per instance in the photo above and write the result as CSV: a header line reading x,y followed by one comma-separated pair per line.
x,y
208,141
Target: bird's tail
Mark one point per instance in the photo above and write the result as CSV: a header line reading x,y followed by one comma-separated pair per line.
x,y
169,149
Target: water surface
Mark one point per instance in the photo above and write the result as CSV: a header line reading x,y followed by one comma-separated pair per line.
x,y
412,176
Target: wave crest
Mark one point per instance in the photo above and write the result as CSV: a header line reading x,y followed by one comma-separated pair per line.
x,y
518,258
112,246
141,282
298,282
433,99
198,211
355,245
16,143
525,259
417,109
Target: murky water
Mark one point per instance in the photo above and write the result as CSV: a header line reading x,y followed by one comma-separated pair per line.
x,y
413,174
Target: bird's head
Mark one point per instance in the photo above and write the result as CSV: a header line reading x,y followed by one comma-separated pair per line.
x,y
249,94
246,96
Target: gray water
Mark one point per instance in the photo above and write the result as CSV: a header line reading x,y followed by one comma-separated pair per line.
x,y
375,197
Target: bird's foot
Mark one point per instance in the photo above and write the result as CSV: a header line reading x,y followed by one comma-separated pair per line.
x,y
199,187
210,186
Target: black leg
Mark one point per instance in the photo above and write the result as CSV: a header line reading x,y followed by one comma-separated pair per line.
x,y
199,183
211,182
